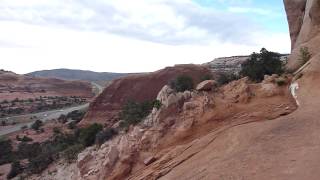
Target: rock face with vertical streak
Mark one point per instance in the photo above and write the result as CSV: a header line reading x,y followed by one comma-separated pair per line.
x,y
304,21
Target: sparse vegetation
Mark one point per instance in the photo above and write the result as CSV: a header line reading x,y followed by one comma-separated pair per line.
x,y
305,55
28,151
105,135
72,152
6,155
182,83
207,77
36,125
87,135
24,127
260,64
75,115
23,139
39,163
157,104
40,155
281,81
43,103
3,123
16,169
225,78
72,125
133,112
56,130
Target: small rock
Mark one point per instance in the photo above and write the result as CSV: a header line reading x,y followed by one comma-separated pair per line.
x,y
149,160
207,85
189,106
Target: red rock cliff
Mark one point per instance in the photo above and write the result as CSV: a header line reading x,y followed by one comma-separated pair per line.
x,y
140,87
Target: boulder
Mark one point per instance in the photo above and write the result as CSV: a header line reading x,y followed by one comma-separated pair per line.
x,y
207,85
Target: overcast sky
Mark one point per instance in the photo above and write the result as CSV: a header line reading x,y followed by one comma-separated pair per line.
x,y
135,35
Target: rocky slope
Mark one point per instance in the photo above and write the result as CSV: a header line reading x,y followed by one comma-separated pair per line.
x,y
241,131
23,87
186,124
141,87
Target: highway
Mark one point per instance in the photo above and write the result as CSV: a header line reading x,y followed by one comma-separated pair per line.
x,y
25,120
43,116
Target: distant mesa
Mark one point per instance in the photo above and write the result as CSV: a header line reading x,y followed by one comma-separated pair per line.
x,y
73,74
14,85
233,64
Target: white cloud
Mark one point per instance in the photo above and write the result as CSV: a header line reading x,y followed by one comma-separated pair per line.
x,y
122,35
251,10
164,21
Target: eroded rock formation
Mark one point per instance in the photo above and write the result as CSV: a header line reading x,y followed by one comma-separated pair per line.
x,y
304,20
185,125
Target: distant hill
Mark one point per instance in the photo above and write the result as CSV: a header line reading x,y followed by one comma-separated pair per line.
x,y
71,74
14,85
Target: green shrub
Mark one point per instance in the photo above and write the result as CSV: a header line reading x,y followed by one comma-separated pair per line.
x,y
39,163
281,81
40,155
157,104
260,64
72,125
305,55
27,151
105,135
16,169
48,151
24,127
23,139
72,152
133,112
36,125
76,115
56,130
62,118
3,123
182,83
6,154
225,78
207,77
87,135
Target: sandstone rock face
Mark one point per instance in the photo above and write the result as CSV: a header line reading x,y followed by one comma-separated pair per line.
x,y
186,125
207,85
140,87
304,20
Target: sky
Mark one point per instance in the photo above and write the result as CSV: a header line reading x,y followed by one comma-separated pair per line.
x,y
135,35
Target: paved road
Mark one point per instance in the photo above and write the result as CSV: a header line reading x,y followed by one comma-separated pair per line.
x,y
43,116
99,87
